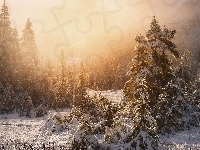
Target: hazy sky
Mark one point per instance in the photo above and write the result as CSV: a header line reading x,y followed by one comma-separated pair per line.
x,y
79,25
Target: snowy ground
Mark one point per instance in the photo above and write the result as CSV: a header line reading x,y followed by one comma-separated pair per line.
x,y
188,139
114,96
22,129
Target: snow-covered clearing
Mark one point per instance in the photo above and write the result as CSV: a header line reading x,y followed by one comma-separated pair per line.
x,y
112,95
38,130
21,129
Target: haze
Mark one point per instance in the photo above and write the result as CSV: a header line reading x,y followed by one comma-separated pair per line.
x,y
80,36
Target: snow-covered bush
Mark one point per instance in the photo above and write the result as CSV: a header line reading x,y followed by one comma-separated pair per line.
x,y
84,137
55,123
40,111
6,99
177,113
61,121
24,105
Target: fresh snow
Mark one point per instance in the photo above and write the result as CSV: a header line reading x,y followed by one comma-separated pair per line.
x,y
21,129
38,130
190,137
112,95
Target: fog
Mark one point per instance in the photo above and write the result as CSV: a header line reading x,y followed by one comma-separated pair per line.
x,y
83,27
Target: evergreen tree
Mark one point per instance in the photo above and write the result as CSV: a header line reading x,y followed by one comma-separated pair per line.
x,y
141,65
29,52
167,91
30,68
48,83
119,77
9,48
9,56
108,74
81,96
84,138
171,107
61,94
160,43
186,70
46,75
6,98
143,131
28,44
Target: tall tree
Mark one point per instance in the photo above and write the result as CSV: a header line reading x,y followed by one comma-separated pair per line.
x,y
80,94
61,97
167,90
28,43
138,86
142,134
29,65
9,48
160,44
9,57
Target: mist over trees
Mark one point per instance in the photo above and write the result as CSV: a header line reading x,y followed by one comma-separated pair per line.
x,y
159,97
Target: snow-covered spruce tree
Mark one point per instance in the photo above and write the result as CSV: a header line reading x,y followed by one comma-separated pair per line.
x,y
141,65
28,44
9,54
28,106
81,99
187,71
29,66
119,77
168,90
60,93
172,106
23,104
142,134
47,72
160,44
6,98
196,92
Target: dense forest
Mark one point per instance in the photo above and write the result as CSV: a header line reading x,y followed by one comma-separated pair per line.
x,y
161,88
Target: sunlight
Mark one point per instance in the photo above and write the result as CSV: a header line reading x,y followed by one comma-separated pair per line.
x,y
99,74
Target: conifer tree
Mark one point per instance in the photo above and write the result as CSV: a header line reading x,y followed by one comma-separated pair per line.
x,y
9,55
119,77
28,44
171,107
81,97
186,70
29,65
143,132
48,74
61,99
108,74
168,95
6,98
160,43
29,53
84,137
141,65
9,47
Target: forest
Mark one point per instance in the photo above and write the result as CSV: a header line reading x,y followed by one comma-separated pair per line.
x,y
160,86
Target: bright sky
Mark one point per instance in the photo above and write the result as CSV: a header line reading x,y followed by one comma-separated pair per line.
x,y
85,25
